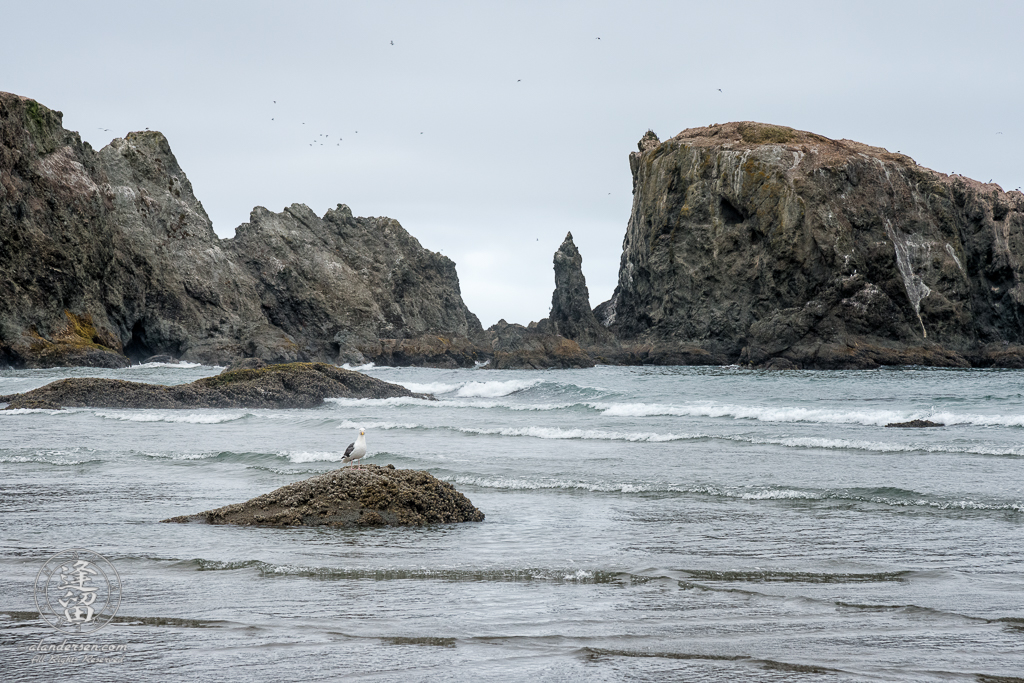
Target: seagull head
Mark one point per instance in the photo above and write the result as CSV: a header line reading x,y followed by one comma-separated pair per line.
x,y
362,431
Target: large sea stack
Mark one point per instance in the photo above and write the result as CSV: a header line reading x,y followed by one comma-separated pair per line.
x,y
107,257
776,247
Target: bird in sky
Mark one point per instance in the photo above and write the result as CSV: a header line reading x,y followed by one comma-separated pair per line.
x,y
599,37
519,80
998,133
720,90
392,42
356,449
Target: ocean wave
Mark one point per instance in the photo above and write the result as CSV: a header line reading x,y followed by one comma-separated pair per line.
x,y
587,434
454,574
383,402
30,411
430,387
48,459
183,365
495,389
174,417
883,496
317,456
349,424
878,418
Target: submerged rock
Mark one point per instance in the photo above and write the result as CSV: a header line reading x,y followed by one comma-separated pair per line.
x,y
363,495
915,424
290,385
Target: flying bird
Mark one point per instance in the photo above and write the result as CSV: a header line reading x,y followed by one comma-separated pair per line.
x,y
392,42
720,90
356,449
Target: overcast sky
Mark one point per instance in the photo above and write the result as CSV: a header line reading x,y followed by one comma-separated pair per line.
x,y
490,129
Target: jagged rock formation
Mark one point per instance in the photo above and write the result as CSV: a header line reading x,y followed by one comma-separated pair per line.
x,y
571,315
356,496
534,347
288,385
771,246
107,257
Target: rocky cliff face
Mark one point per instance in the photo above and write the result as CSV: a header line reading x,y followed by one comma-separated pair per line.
x,y
107,256
769,245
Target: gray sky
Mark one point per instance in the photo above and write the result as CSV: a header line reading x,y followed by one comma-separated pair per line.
x,y
490,129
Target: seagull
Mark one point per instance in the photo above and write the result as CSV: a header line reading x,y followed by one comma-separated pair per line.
x,y
357,449
720,90
392,42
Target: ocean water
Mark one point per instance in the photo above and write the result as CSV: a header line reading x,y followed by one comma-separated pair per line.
x,y
707,524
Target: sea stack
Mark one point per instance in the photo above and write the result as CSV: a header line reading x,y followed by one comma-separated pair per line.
x,y
757,242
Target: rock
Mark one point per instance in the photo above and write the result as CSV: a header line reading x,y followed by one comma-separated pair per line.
x,y
363,495
534,347
779,363
246,364
108,258
762,244
915,424
571,315
290,385
427,351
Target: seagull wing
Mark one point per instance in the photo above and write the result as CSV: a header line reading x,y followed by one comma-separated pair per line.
x,y
351,447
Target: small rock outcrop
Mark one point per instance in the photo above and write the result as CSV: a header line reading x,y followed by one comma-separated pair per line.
x,y
757,242
915,424
355,496
534,347
108,258
290,385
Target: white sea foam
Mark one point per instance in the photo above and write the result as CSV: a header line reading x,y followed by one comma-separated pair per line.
x,y
588,434
798,414
430,387
367,367
183,365
495,389
760,413
385,402
743,493
29,411
174,417
349,424
317,456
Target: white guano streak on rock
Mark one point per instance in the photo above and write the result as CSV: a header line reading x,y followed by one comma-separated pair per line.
x,y
916,288
949,248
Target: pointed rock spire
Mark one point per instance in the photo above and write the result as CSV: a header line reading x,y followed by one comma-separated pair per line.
x,y
571,314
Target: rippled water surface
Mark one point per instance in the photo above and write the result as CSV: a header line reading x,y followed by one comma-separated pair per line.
x,y
642,524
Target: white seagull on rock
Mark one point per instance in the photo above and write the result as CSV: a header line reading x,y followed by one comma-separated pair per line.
x,y
357,449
